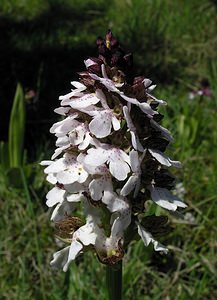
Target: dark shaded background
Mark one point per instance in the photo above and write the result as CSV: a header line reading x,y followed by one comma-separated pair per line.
x,y
43,44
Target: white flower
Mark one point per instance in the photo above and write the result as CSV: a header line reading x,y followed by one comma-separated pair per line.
x,y
101,183
103,119
165,198
64,198
112,87
165,132
114,202
62,209
82,101
102,123
108,83
67,170
134,180
62,127
75,93
64,257
163,159
145,107
134,137
92,233
62,110
54,196
117,159
50,177
147,238
89,62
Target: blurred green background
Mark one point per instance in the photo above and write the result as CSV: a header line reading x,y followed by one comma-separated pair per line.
x,y
43,44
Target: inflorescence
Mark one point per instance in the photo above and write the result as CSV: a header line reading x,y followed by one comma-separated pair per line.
x,y
109,161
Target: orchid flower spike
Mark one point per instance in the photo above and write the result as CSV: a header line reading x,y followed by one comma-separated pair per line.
x,y
109,161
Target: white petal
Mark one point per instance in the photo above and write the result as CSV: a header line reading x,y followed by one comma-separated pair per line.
x,y
46,162
85,142
134,138
129,185
89,62
86,234
84,101
75,197
62,141
98,186
108,83
163,159
67,177
135,142
102,97
62,110
162,102
127,116
130,100
78,85
134,161
56,166
114,202
64,126
151,88
104,71
119,169
175,163
146,108
115,123
74,250
55,196
120,223
124,156
100,126
148,238
58,151
62,209
71,175
165,198
96,157
60,258
51,178
96,189
165,132
147,82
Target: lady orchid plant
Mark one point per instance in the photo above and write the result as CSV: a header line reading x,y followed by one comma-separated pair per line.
x,y
109,161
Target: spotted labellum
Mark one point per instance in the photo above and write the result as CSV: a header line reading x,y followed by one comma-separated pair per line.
x,y
109,161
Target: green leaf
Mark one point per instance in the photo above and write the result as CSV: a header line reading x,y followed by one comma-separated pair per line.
x,y
4,156
17,128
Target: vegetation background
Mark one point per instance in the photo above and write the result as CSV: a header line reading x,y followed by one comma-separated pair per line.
x,y
43,44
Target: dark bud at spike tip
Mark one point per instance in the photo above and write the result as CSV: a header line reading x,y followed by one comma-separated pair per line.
x,y
113,56
109,35
99,41
102,47
111,42
114,43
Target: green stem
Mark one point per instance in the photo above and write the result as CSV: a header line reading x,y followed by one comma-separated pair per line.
x,y
114,281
